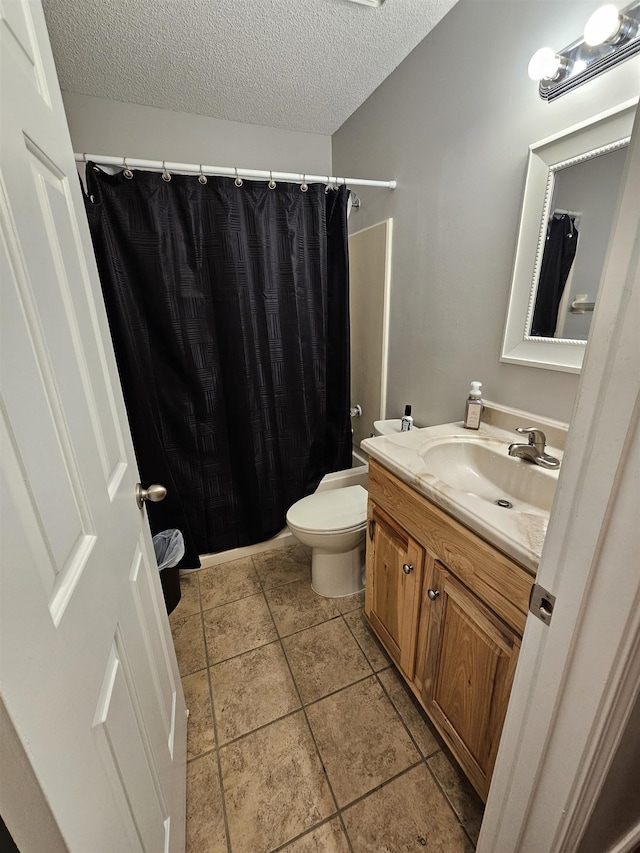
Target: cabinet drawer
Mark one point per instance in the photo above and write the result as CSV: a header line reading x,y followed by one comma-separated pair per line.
x,y
502,584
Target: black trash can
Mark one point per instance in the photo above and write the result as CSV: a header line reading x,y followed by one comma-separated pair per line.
x,y
169,550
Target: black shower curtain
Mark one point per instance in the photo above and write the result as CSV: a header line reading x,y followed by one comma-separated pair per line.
x,y
559,252
229,311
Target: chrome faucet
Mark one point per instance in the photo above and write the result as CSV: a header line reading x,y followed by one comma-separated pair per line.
x,y
534,451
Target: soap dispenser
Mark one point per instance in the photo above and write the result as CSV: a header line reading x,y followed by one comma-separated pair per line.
x,y
407,421
473,407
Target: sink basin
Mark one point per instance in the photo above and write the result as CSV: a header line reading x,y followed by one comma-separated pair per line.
x,y
470,476
482,467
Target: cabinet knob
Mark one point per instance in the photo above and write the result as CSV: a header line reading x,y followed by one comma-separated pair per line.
x,y
407,568
433,594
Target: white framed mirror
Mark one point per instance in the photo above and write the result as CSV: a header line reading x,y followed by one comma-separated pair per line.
x,y
562,240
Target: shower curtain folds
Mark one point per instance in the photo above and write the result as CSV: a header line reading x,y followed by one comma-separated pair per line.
x,y
229,311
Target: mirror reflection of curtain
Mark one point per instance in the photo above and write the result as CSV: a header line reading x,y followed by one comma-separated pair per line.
x,y
559,252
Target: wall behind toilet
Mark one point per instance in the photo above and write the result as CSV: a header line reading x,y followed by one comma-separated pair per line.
x,y
452,125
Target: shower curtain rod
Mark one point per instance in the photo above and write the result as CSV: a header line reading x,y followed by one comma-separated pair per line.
x,y
227,171
560,211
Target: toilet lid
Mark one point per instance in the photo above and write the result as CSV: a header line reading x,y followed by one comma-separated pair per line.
x,y
333,510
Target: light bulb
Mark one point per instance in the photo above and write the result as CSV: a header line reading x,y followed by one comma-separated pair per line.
x,y
603,25
544,64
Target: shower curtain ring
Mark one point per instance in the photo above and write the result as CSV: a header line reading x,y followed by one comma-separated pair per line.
x,y
238,181
202,178
272,183
165,175
303,185
127,171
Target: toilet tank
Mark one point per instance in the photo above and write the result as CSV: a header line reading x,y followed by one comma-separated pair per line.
x,y
387,427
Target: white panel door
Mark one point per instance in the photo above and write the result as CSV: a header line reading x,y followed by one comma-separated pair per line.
x,y
88,674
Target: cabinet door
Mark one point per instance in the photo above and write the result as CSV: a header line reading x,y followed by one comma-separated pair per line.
x,y
469,665
392,594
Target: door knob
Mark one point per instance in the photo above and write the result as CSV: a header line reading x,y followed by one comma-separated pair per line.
x,y
433,594
407,568
154,493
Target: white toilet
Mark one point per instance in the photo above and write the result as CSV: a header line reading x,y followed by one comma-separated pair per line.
x,y
333,524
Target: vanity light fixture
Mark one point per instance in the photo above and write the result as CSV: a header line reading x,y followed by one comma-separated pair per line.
x,y
610,37
609,26
368,2
546,64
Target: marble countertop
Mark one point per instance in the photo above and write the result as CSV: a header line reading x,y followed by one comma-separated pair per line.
x,y
518,532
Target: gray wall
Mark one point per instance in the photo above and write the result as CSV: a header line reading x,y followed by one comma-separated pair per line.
x,y
101,126
452,125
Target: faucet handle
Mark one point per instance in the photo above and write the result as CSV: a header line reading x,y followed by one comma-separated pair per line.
x,y
536,437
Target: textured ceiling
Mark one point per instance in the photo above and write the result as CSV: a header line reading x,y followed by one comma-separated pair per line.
x,y
293,64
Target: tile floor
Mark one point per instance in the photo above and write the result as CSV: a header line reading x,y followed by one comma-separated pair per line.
x,y
301,736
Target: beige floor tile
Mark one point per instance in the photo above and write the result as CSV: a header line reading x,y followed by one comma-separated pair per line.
x,y
459,791
205,817
252,690
189,597
361,739
283,565
200,734
238,627
405,705
296,606
350,602
408,814
328,838
324,659
274,786
373,650
228,582
188,640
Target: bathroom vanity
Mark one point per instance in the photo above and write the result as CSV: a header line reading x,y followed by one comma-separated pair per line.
x,y
449,575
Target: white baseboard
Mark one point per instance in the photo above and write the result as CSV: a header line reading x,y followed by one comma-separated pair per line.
x,y
279,541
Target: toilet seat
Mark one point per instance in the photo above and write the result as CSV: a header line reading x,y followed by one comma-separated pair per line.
x,y
333,511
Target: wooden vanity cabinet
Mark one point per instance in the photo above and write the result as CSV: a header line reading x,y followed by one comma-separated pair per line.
x,y
452,624
467,671
392,591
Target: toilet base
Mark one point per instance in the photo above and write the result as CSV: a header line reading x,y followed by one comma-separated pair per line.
x,y
336,574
